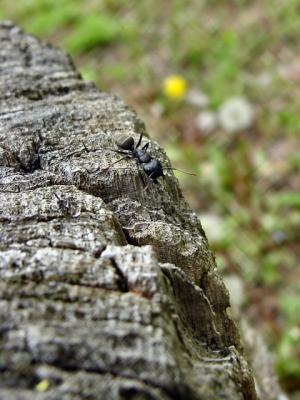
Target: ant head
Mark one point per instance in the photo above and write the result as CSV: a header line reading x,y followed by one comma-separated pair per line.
x,y
125,142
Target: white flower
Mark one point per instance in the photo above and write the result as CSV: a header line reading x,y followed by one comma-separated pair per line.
x,y
236,114
157,109
197,98
236,290
206,121
213,227
295,333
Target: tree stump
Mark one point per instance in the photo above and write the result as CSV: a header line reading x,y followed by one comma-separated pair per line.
x,y
108,289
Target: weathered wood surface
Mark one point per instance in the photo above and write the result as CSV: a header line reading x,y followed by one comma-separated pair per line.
x,y
107,290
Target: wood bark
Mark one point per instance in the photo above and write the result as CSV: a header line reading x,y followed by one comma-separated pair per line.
x,y
108,290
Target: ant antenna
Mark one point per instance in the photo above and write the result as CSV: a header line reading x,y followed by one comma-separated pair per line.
x,y
140,140
180,170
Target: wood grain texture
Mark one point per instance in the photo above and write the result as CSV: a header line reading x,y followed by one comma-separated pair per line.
x,y
107,290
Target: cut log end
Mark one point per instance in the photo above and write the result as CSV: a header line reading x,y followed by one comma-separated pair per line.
x,y
107,290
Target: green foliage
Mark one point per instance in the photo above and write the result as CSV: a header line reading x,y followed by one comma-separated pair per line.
x,y
273,264
287,199
290,305
116,72
50,19
88,74
286,18
97,30
289,345
295,161
218,159
42,17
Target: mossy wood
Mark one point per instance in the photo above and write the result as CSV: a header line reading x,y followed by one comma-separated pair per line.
x,y
108,290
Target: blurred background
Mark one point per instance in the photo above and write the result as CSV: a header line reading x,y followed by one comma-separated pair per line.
x,y
217,83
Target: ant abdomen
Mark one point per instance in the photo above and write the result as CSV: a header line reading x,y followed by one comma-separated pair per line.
x,y
125,142
153,168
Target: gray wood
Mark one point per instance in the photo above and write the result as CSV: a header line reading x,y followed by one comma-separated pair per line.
x,y
108,290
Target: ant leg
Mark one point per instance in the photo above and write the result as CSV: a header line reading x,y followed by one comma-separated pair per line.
x,y
140,140
121,152
115,162
150,180
73,153
145,147
106,168
142,177
102,148
146,187
115,150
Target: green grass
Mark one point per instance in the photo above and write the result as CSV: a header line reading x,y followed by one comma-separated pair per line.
x,y
94,31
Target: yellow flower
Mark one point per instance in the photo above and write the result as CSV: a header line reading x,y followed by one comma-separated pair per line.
x,y
175,87
42,386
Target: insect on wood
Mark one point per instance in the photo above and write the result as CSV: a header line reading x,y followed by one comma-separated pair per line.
x,y
151,166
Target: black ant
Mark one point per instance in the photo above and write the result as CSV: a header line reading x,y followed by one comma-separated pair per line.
x,y
151,166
